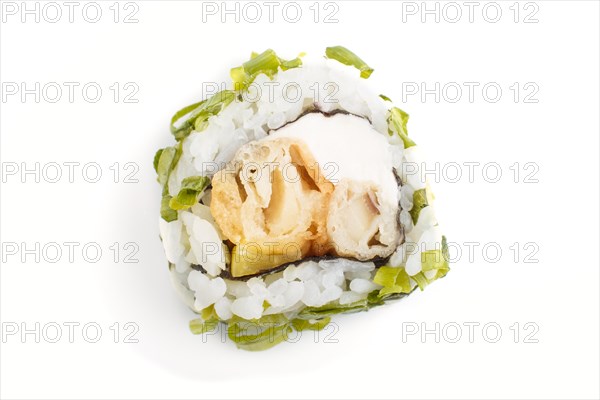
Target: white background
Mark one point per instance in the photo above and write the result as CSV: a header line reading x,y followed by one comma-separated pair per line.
x,y
169,53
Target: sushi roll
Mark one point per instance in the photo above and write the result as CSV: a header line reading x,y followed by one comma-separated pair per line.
x,y
287,199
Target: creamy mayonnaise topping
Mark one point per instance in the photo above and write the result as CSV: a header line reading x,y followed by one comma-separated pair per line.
x,y
345,146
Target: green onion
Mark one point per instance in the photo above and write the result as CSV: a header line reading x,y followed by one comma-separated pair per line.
x,y
259,334
419,203
289,64
433,260
166,212
191,188
194,116
305,324
266,63
156,159
346,57
421,280
199,326
183,120
207,322
165,161
393,280
213,106
397,122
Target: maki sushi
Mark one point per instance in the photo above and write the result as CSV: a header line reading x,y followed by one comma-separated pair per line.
x,y
287,199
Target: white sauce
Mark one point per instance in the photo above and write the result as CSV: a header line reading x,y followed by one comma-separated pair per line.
x,y
346,146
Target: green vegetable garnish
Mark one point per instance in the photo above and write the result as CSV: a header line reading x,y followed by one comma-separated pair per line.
x,y
372,300
195,116
397,124
157,159
207,322
269,330
166,212
183,120
259,334
346,57
310,324
393,280
267,63
191,188
433,260
165,161
213,106
419,202
289,64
